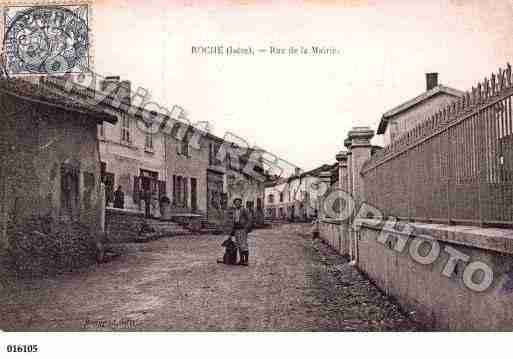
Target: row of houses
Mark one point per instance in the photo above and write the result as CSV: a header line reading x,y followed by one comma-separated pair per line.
x,y
159,163
62,159
295,198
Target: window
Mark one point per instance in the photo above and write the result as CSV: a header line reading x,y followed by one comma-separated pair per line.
x,y
181,191
101,130
194,194
185,199
178,200
270,198
184,148
175,190
213,151
147,173
125,129
281,196
148,138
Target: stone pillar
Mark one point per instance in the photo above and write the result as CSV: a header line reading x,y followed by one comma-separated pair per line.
x,y
349,182
341,158
325,178
341,229
360,152
345,228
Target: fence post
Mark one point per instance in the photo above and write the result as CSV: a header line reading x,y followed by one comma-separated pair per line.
x,y
341,158
360,152
349,189
480,198
325,178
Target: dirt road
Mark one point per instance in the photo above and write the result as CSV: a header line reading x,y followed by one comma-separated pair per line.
x,y
175,283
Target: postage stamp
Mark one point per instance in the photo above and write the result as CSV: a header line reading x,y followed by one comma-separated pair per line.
x,y
46,39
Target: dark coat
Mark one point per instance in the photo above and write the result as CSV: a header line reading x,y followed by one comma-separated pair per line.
x,y
119,199
245,220
230,254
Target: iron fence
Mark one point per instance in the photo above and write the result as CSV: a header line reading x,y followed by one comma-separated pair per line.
x,y
455,167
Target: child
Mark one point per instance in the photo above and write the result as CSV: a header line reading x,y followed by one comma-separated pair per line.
x,y
230,254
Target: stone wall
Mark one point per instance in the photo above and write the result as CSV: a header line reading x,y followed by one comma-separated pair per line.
x,y
41,246
336,234
123,225
441,302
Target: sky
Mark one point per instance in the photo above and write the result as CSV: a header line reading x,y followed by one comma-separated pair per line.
x,y
299,107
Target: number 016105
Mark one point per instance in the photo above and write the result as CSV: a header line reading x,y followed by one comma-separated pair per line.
x,y
22,348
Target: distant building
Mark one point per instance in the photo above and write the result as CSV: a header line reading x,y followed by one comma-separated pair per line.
x,y
296,198
407,115
277,199
228,178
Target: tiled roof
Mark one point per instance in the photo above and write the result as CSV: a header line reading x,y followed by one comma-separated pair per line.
x,y
86,95
314,172
275,182
37,93
415,101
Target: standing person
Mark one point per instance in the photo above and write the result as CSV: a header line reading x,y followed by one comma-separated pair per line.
x,y
119,198
241,224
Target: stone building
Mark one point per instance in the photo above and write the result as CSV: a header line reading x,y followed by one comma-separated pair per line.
x,y
49,168
187,172
217,198
132,157
296,197
407,115
178,162
276,199
228,178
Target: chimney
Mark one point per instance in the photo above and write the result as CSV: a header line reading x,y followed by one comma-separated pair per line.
x,y
122,89
107,81
431,80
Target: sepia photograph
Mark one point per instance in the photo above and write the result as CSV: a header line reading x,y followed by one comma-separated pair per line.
x,y
257,172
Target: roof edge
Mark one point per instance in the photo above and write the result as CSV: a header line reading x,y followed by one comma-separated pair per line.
x,y
383,123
